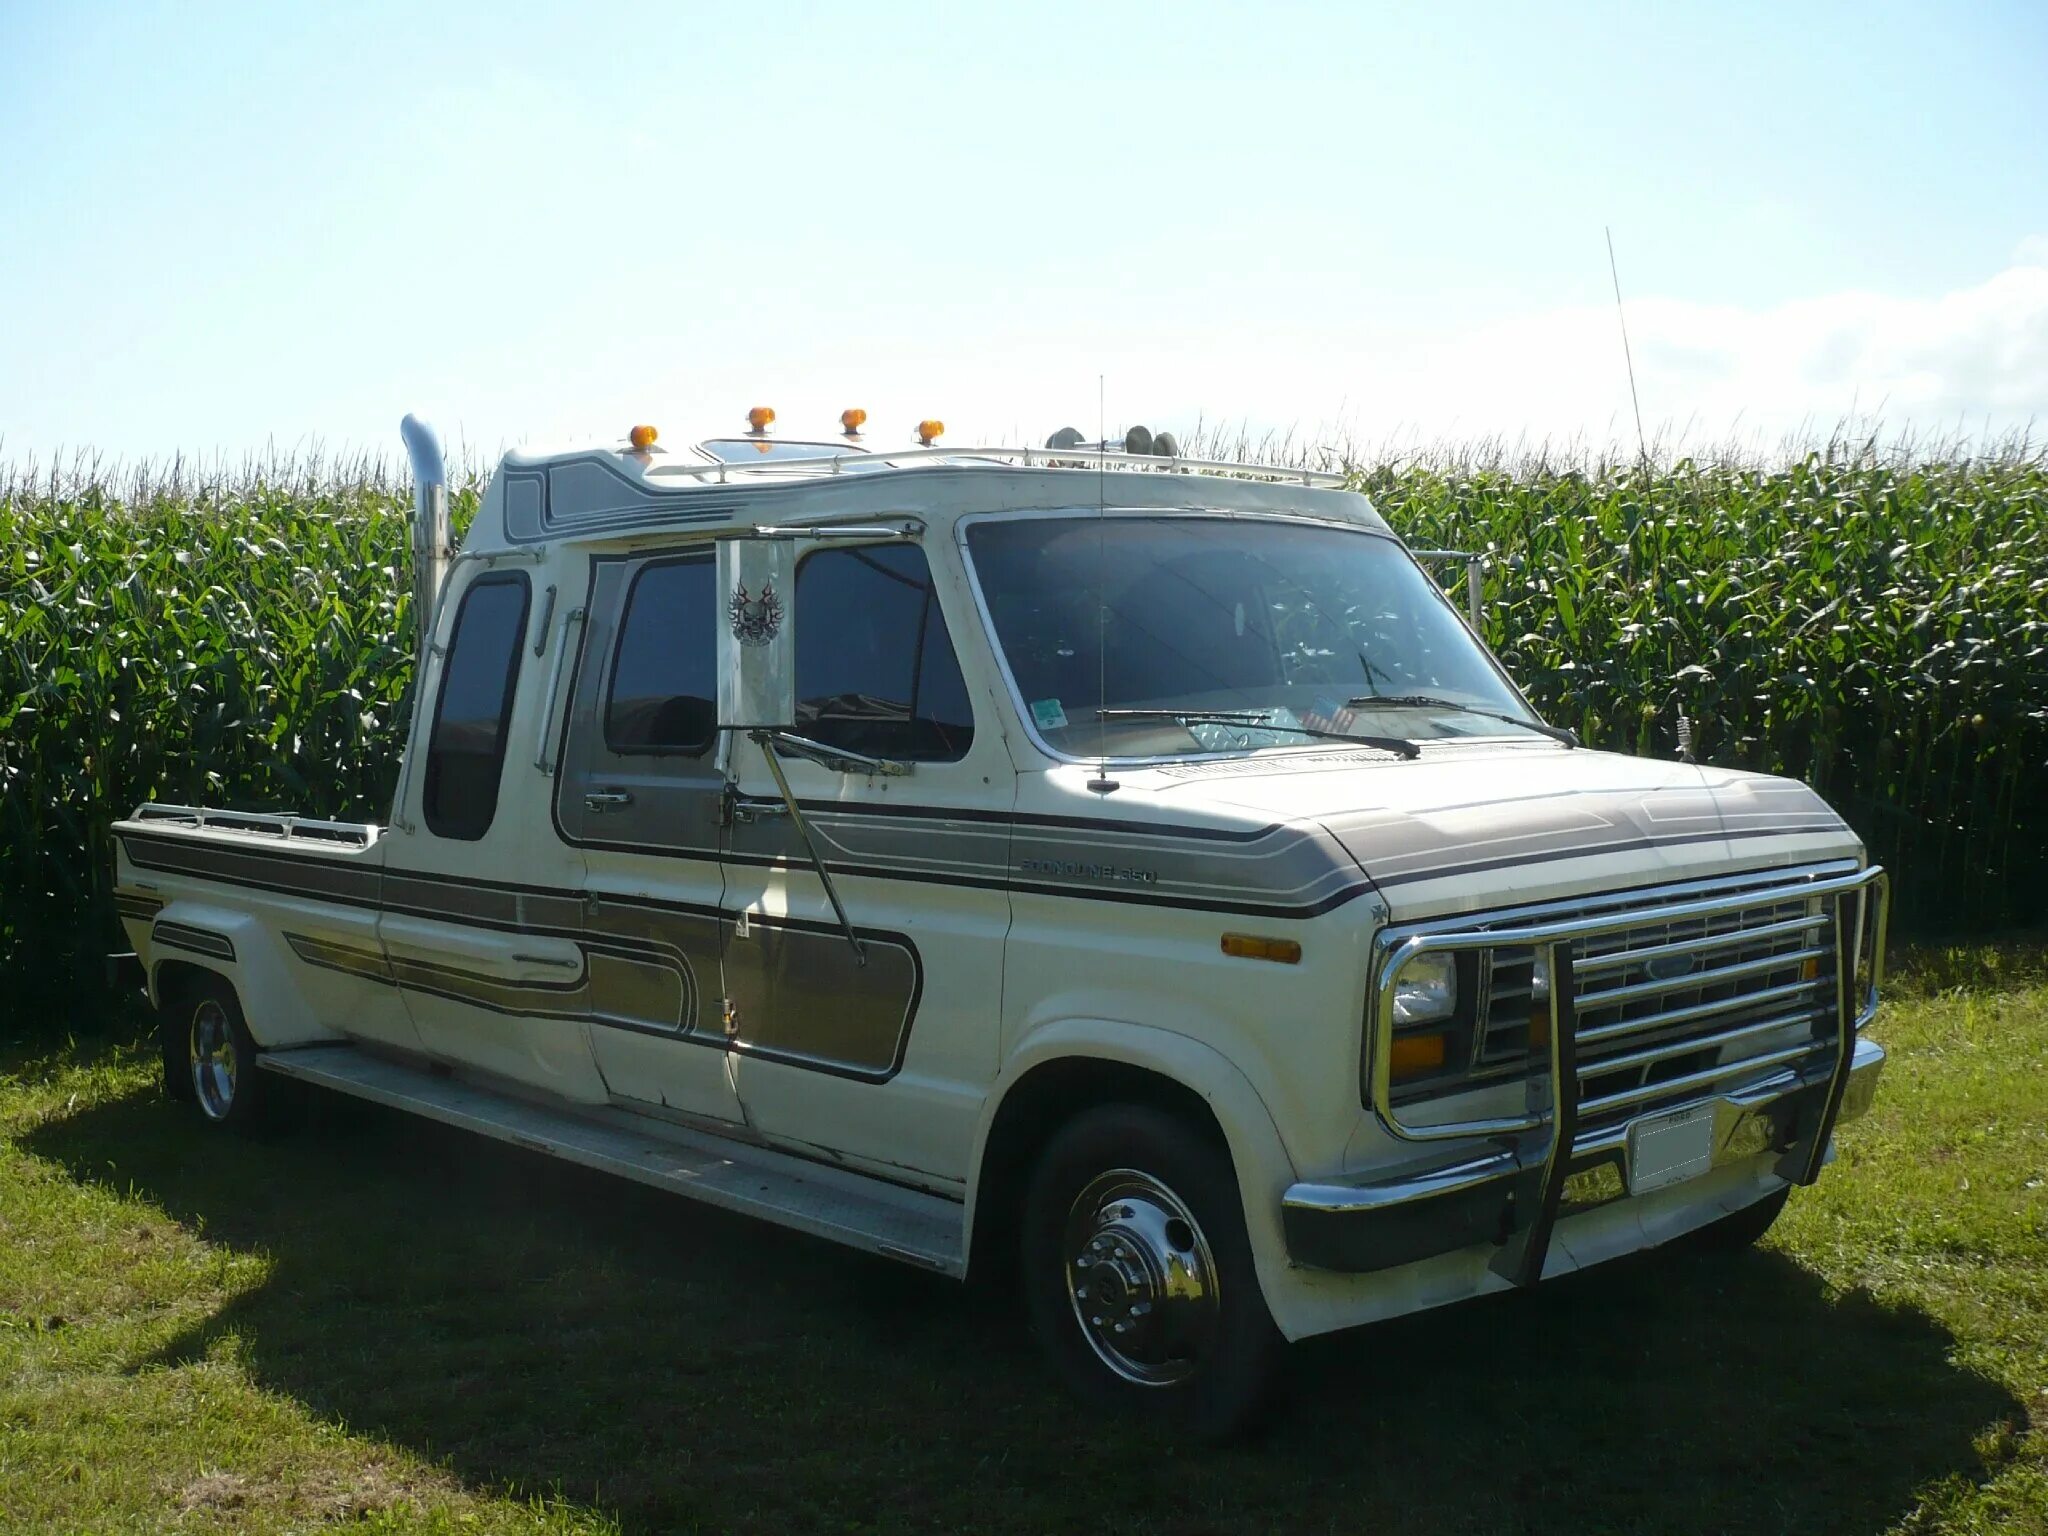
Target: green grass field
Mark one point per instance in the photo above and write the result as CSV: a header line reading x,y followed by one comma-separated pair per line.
x,y
378,1323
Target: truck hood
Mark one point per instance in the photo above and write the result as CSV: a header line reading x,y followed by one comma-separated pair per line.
x,y
1483,825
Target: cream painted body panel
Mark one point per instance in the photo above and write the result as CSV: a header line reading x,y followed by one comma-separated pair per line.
x,y
650,867
943,825
457,924
288,999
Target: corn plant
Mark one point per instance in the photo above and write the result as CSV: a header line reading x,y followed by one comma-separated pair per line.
x,y
1876,626
1879,629
247,645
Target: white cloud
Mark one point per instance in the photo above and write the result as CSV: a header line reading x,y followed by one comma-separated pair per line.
x,y
1973,361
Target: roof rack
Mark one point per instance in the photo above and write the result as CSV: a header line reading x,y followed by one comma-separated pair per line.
x,y
873,459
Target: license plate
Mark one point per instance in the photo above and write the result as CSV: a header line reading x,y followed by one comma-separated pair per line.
x,y
1669,1149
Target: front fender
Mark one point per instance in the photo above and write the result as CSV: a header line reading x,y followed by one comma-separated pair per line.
x,y
1263,1167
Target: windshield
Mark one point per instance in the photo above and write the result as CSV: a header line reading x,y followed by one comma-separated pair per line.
x,y
1113,627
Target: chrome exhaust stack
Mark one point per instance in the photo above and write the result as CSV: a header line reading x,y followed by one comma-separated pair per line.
x,y
431,544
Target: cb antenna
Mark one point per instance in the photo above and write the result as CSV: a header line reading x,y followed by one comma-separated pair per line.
x,y
1614,272
1102,783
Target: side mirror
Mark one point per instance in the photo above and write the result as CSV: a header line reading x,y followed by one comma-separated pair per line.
x,y
757,634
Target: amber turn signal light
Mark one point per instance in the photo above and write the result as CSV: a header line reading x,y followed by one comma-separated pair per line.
x,y
1414,1055
642,437
1253,946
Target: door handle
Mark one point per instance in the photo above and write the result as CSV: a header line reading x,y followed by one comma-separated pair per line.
x,y
758,810
560,965
602,800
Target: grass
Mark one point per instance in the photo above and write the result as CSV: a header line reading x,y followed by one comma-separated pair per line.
x,y
379,1323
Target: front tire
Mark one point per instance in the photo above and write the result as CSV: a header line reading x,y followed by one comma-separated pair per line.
x,y
210,1057
1139,1277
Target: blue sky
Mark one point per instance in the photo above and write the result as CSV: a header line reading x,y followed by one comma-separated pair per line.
x,y
232,225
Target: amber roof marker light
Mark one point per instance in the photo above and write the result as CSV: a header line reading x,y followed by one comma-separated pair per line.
x,y
642,438
928,432
759,420
852,420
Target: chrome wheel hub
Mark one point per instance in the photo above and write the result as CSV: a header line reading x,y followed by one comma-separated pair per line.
x,y
1141,1278
213,1059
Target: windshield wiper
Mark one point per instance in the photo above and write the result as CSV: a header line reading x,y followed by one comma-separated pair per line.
x,y
1261,720
1431,701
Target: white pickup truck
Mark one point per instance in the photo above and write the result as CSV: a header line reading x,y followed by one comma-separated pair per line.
x,y
1123,872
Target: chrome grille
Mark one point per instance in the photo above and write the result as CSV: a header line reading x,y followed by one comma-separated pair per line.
x,y
1677,990
1660,1004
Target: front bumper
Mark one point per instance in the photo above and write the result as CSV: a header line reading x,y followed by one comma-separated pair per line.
x,y
1380,1223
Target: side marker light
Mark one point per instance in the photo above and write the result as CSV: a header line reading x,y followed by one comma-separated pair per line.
x,y
1253,946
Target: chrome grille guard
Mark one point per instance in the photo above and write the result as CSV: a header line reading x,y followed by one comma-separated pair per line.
x,y
1848,910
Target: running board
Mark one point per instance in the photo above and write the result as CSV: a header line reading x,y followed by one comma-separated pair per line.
x,y
834,1203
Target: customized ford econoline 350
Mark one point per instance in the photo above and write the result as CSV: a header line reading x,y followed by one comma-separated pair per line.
x,y
1123,872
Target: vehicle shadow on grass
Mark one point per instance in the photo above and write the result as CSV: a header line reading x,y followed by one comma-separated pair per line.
x,y
546,1330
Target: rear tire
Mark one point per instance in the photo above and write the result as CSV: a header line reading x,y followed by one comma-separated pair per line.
x,y
1744,1228
1138,1274
172,1038
210,1057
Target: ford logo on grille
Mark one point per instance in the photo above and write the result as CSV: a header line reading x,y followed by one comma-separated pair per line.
x,y
1669,967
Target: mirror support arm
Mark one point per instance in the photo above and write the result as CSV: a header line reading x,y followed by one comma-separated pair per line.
x,y
766,741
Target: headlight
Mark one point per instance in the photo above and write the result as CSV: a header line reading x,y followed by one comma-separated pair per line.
x,y
1426,990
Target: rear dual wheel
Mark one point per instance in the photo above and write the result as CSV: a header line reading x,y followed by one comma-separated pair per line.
x,y
209,1057
1139,1274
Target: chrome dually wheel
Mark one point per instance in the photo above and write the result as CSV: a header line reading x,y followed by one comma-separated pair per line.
x,y
1141,1278
214,1056
1139,1275
209,1056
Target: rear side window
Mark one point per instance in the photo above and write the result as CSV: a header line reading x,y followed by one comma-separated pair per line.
x,y
466,752
875,669
664,693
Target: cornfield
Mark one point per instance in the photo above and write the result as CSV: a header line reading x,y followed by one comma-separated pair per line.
x,y
1877,626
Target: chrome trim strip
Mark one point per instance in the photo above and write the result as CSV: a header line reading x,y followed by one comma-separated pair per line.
x,y
1693,1012
1615,959
1635,992
1342,1199
1651,1055
1700,1079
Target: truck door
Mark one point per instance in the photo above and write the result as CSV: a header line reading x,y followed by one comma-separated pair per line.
x,y
640,794
481,902
882,1057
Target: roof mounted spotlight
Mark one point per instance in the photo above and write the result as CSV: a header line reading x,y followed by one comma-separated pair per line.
x,y
1166,445
1066,437
852,420
928,432
759,420
1138,440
